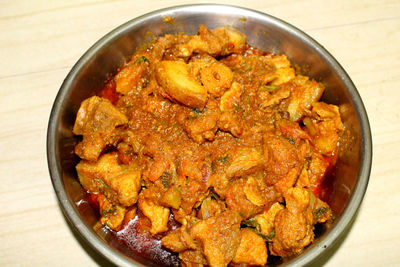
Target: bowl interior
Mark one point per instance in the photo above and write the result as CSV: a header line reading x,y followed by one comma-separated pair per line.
x,y
264,32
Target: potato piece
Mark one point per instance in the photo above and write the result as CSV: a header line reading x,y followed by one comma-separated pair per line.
x,y
178,84
252,249
158,216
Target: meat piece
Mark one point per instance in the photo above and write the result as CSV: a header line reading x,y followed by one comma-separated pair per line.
x,y
265,220
133,75
158,215
192,258
112,215
325,127
171,198
96,121
219,237
201,125
304,94
253,69
193,192
126,185
119,183
294,225
178,240
236,40
253,192
246,161
252,249
178,84
316,171
274,98
216,78
220,41
210,208
231,97
283,73
282,162
230,122
236,200
291,130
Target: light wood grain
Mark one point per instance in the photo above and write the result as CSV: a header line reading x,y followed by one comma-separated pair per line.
x,y
41,40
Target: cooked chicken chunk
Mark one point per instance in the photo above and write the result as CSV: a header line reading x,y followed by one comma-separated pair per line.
x,y
117,182
294,225
96,121
252,249
158,216
324,126
219,237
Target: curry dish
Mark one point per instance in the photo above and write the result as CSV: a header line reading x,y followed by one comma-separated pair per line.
x,y
214,149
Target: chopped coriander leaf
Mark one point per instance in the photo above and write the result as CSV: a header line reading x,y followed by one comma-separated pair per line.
x,y
142,59
252,223
223,159
318,213
166,179
237,107
214,195
271,235
213,167
290,140
197,110
268,88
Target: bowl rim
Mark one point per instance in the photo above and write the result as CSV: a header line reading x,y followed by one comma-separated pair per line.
x,y
116,257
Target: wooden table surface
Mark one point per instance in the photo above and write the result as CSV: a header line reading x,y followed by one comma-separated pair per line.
x,y
41,40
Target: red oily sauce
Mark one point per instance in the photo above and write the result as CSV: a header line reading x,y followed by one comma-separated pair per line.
x,y
136,236
109,92
324,187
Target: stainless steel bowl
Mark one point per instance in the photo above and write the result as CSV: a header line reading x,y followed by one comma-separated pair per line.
x,y
263,31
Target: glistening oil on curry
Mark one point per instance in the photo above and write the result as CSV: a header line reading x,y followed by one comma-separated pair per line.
x,y
203,150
